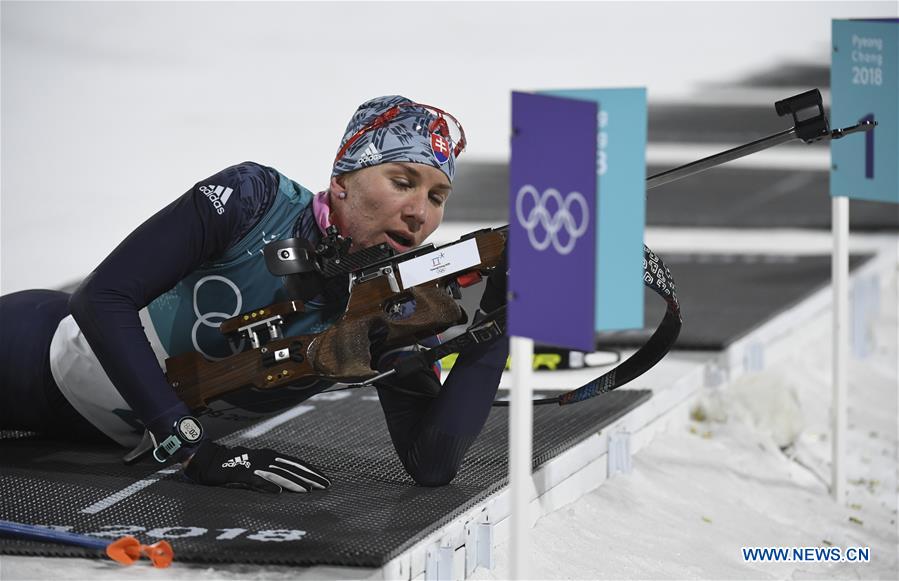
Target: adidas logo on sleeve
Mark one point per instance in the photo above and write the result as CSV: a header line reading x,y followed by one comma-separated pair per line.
x,y
218,195
243,460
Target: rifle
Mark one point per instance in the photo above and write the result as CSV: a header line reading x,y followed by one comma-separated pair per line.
x,y
381,282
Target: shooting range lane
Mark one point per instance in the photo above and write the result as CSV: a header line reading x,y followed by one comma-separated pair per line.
x,y
480,192
731,123
724,197
726,296
790,75
749,198
717,124
372,512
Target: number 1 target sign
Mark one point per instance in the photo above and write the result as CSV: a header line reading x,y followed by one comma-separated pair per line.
x,y
864,80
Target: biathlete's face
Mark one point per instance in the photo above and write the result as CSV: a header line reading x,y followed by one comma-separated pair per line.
x,y
397,203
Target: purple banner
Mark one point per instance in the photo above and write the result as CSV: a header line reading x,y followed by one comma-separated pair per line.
x,y
552,214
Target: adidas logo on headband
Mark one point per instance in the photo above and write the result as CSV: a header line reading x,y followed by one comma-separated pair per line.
x,y
370,155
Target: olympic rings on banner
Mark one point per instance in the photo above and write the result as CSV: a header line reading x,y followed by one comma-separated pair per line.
x,y
207,318
552,223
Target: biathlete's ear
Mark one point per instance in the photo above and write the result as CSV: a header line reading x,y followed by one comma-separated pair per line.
x,y
338,186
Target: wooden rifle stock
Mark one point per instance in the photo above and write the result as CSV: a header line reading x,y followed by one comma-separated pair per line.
x,y
343,352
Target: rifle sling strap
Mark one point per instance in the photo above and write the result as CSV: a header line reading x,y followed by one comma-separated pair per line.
x,y
656,276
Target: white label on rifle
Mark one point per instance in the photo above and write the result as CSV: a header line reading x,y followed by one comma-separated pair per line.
x,y
441,262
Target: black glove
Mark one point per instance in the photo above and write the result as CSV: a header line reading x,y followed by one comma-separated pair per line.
x,y
495,288
263,470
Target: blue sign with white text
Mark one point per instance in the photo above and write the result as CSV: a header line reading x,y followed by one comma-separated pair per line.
x,y
864,80
552,206
621,204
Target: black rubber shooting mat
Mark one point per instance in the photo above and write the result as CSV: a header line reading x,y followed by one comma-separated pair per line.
x,y
725,296
722,197
372,512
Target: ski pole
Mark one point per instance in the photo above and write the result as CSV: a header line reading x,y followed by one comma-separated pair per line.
x,y
125,550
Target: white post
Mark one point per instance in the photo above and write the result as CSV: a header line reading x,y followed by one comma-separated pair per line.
x,y
521,431
840,279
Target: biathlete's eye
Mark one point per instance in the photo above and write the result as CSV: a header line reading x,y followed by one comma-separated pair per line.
x,y
402,184
438,199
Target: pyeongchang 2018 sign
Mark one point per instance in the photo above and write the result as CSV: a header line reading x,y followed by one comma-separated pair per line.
x,y
864,81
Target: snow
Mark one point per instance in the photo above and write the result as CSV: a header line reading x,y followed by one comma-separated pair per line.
x,y
749,470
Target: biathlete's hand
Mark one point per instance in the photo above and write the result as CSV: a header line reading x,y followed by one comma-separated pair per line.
x,y
495,288
262,469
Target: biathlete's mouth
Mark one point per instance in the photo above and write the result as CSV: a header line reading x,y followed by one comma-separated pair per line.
x,y
399,241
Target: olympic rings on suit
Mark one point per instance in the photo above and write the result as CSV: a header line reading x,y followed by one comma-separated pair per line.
x,y
206,319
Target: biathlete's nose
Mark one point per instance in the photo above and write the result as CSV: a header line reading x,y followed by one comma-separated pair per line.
x,y
415,213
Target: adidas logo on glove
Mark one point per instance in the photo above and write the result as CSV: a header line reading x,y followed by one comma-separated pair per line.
x,y
274,472
243,460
